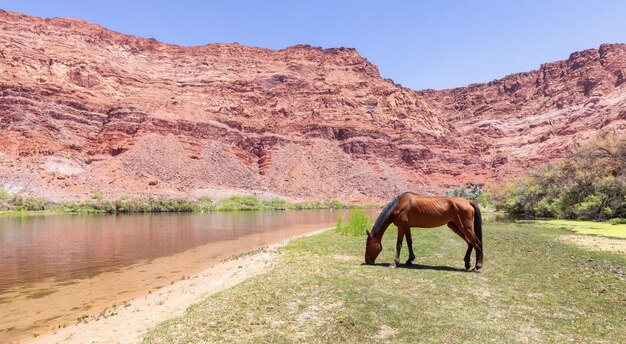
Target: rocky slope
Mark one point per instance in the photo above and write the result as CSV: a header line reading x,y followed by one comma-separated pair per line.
x,y
531,118
86,110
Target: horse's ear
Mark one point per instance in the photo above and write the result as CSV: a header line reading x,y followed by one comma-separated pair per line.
x,y
369,235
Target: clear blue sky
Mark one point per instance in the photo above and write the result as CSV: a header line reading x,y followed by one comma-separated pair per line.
x,y
419,44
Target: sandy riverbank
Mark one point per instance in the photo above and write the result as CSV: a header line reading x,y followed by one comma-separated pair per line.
x,y
128,323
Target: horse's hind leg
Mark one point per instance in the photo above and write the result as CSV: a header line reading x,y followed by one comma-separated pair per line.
x,y
468,229
409,243
396,262
468,253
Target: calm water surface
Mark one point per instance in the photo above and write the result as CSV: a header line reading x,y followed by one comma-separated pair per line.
x,y
57,268
65,247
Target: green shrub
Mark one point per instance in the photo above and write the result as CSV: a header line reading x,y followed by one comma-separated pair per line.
x,y
334,204
310,205
238,202
149,205
617,221
473,193
277,204
205,203
358,223
98,207
4,194
25,203
590,184
205,199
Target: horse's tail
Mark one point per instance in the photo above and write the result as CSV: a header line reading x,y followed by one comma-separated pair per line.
x,y
385,214
478,223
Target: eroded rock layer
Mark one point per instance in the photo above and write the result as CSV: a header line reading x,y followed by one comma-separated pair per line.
x,y
86,110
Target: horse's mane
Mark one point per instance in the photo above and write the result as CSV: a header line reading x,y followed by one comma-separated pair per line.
x,y
384,215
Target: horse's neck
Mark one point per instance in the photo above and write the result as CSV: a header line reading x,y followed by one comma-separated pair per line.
x,y
379,234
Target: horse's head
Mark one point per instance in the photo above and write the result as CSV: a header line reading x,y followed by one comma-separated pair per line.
x,y
373,246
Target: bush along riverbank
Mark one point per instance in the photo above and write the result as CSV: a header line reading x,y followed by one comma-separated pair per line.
x,y
590,184
18,204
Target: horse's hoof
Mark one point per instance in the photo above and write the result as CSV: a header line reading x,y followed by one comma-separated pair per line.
x,y
392,265
474,270
409,262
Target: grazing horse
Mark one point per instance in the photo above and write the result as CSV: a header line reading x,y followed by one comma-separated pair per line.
x,y
411,210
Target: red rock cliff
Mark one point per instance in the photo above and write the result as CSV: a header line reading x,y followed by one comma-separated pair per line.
x,y
86,110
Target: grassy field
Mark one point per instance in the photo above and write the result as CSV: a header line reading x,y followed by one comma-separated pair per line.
x,y
587,227
533,288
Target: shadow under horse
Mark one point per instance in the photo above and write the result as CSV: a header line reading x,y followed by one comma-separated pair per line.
x,y
412,210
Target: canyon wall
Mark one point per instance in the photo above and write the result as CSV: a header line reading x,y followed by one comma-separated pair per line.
x,y
87,110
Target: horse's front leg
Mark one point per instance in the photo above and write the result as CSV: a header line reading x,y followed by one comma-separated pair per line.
x,y
409,242
396,261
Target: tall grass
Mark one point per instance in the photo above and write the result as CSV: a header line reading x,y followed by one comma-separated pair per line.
x,y
278,204
237,202
358,222
154,204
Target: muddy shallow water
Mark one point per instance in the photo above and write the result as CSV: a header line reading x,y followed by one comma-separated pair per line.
x,y
55,269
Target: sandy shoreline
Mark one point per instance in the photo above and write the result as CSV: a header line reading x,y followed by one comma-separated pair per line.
x,y
130,322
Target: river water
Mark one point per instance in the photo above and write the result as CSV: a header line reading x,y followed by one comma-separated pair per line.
x,y
55,268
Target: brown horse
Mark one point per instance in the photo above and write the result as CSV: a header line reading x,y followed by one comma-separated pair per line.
x,y
411,210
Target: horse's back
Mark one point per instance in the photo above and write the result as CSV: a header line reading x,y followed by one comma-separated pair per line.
x,y
429,211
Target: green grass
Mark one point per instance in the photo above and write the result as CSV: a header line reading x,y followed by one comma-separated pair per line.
x,y
358,222
608,229
278,204
533,288
237,202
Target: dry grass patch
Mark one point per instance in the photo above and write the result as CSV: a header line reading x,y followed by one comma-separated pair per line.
x,y
596,243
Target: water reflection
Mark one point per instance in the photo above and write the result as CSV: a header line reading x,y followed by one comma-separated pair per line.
x,y
62,247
